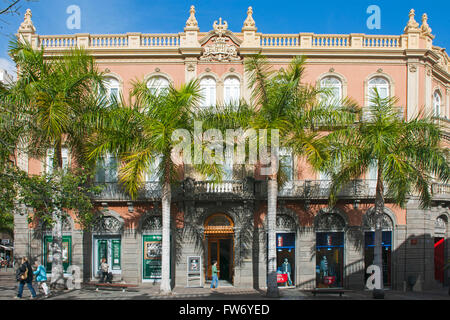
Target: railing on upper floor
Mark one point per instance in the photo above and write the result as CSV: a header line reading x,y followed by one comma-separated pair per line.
x,y
440,191
114,191
320,189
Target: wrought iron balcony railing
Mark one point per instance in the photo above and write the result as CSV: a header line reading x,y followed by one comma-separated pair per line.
x,y
320,189
113,191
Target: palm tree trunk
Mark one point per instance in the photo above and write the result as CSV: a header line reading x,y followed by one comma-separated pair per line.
x,y
272,194
57,262
165,259
379,211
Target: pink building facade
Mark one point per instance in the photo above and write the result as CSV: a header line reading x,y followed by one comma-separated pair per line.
x,y
324,247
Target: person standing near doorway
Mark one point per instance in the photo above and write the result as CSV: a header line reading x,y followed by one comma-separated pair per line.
x,y
215,277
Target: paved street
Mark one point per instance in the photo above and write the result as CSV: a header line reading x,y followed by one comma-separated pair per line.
x,y
8,289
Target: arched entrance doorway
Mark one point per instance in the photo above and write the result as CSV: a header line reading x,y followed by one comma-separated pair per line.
x,y
219,235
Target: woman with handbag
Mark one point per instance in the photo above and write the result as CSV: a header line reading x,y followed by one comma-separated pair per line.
x,y
25,276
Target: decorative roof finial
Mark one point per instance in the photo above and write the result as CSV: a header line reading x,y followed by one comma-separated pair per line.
x,y
412,23
249,23
27,24
426,30
220,28
192,23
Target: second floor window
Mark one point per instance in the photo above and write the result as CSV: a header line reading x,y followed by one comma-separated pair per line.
x,y
287,163
232,90
112,87
334,88
208,91
158,85
437,104
107,170
49,164
382,86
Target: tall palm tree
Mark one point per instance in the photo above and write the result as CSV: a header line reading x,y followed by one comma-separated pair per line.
x,y
406,154
57,94
141,136
295,111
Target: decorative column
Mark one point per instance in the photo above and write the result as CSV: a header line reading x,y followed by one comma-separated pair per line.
x,y
412,33
250,46
190,47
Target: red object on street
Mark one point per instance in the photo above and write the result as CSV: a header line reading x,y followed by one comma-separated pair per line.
x,y
282,278
329,280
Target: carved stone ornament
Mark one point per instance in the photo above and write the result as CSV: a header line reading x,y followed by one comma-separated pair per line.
x,y
107,224
157,69
369,221
330,221
190,67
412,23
413,68
27,24
192,21
249,23
440,224
426,30
220,50
284,222
152,222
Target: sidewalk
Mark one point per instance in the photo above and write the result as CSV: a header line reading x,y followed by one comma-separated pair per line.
x,y
8,289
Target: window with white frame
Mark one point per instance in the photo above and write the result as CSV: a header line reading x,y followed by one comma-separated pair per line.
x,y
49,166
158,85
381,85
232,90
437,104
334,88
208,91
112,87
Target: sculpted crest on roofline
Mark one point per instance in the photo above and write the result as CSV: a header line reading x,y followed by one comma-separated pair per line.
x,y
222,49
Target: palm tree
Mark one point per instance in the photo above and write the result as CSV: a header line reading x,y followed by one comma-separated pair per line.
x,y
295,111
406,154
57,93
141,136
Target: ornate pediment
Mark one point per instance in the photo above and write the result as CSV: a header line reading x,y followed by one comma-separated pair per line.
x,y
221,45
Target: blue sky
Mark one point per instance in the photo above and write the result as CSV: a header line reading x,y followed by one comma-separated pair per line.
x,y
169,16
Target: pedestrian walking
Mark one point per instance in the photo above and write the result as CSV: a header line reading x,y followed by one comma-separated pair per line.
x,y
215,277
41,277
25,276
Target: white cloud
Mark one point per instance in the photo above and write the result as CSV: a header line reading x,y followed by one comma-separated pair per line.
x,y
9,66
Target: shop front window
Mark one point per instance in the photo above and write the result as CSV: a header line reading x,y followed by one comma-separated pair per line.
x,y
329,259
286,259
66,252
369,240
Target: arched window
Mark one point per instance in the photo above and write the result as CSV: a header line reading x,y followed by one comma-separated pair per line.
x,y
381,85
158,85
334,86
232,90
208,91
112,87
437,104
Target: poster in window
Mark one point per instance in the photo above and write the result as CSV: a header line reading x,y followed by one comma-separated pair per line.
x,y
116,254
194,264
152,251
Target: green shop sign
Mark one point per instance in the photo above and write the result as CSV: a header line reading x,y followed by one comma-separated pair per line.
x,y
152,250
